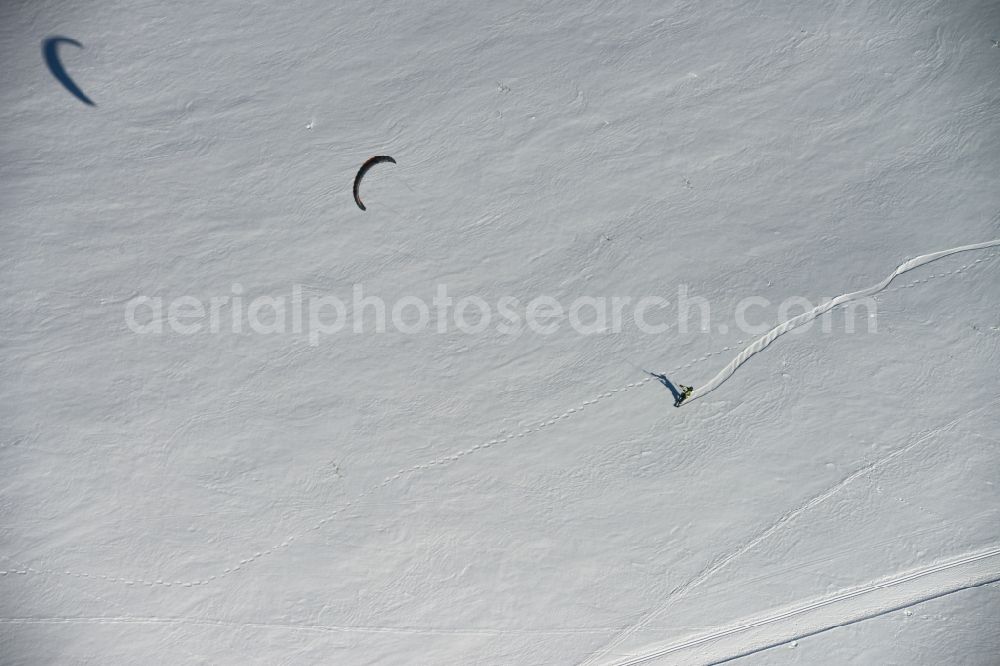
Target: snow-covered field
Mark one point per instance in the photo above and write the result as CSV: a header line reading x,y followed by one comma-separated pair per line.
x,y
451,497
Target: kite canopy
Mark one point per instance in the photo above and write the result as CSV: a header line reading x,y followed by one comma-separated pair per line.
x,y
369,163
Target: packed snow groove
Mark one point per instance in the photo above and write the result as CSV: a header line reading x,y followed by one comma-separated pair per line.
x,y
976,563
721,563
761,343
538,427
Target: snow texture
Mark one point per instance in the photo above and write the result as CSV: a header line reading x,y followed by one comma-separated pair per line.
x,y
454,498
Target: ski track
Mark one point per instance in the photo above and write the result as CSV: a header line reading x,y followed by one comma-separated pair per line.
x,y
977,564
765,340
721,563
447,460
291,626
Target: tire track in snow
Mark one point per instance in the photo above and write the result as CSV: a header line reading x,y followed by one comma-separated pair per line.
x,y
438,462
765,340
721,563
870,600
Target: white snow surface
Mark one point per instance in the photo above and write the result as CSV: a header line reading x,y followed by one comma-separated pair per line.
x,y
243,498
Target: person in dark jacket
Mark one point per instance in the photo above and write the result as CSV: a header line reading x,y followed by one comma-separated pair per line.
x,y
679,396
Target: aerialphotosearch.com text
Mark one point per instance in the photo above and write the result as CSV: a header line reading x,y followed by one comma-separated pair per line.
x,y
303,312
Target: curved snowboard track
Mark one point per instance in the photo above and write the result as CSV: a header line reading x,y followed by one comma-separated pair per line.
x,y
782,625
159,581
761,343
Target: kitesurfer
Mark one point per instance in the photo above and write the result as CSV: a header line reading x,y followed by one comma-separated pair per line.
x,y
679,396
